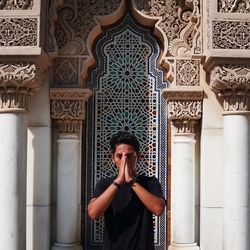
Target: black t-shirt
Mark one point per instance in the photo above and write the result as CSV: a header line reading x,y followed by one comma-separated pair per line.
x,y
128,223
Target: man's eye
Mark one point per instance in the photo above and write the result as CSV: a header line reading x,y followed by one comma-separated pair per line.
x,y
131,155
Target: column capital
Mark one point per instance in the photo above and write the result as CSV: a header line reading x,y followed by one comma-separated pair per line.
x,y
184,108
18,80
232,83
68,108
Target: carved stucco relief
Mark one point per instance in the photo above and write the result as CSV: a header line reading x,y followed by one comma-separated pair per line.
x,y
66,71
16,4
76,20
187,72
231,35
232,82
234,6
180,21
184,108
17,81
184,115
68,108
18,32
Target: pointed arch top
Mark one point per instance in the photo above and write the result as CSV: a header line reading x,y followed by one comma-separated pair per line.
x,y
114,17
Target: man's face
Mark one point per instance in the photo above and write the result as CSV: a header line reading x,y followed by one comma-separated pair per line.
x,y
129,152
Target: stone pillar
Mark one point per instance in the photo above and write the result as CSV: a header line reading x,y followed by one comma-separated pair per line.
x,y
67,108
17,82
232,84
184,111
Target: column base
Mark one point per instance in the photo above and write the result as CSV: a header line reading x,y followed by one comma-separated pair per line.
x,y
175,246
65,246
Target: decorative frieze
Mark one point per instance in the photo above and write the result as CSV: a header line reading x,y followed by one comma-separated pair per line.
x,y
232,82
18,32
16,5
234,6
17,81
231,35
187,72
184,109
67,108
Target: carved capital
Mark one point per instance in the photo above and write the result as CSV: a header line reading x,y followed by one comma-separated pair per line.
x,y
68,108
184,109
17,81
232,82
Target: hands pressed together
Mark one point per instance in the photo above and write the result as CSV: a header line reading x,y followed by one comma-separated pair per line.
x,y
126,164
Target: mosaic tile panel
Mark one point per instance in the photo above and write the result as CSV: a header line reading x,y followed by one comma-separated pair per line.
x,y
126,87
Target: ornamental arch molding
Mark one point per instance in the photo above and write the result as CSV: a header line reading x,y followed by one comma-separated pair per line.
x,y
142,19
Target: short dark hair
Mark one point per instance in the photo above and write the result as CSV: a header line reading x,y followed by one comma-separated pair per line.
x,y
124,137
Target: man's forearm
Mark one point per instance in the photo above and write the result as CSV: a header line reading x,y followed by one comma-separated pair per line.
x,y
97,206
154,204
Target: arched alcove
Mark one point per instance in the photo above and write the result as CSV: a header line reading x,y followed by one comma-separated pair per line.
x,y
126,84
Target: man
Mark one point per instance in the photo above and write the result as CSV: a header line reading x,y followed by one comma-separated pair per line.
x,y
127,200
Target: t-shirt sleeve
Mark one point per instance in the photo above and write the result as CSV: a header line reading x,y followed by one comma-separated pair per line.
x,y
101,186
155,188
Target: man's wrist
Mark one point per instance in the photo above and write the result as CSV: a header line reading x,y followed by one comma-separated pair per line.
x,y
132,181
118,185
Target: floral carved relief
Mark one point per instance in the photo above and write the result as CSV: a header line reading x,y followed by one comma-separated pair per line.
x,y
184,114
76,20
67,108
187,72
232,82
66,71
231,35
16,4
51,44
18,32
184,108
180,21
234,6
17,82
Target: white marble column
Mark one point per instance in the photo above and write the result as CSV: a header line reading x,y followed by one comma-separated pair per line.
x,y
16,84
67,193
236,182
13,133
231,82
184,111
68,111
183,194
